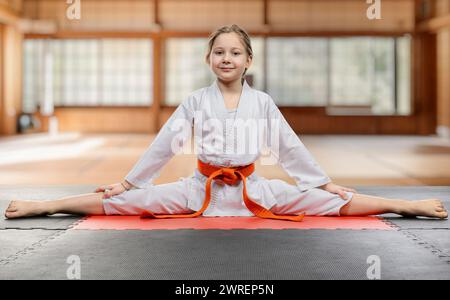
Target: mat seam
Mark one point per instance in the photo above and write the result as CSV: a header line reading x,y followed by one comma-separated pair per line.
x,y
420,241
38,244
31,247
426,245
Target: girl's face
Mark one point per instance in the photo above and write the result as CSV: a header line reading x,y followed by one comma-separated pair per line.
x,y
228,58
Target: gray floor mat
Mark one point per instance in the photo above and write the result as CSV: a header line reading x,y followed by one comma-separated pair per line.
x,y
235,254
60,221
16,242
406,192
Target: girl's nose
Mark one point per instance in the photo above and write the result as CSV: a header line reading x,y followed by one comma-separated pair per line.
x,y
226,58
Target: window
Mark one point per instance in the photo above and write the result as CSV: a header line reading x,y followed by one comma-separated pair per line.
x,y
362,73
33,71
296,71
366,75
187,71
88,72
127,72
76,67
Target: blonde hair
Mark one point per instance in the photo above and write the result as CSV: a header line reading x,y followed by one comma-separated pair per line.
x,y
243,35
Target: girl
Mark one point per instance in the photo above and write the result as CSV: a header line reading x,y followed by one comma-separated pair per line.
x,y
225,184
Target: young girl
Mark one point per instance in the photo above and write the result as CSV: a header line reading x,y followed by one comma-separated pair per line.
x,y
225,184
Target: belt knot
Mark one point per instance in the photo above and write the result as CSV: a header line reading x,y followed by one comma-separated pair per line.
x,y
228,175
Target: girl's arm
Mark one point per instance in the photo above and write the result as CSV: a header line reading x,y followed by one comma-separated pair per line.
x,y
292,154
175,132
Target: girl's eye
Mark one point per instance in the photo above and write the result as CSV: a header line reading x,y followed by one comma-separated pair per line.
x,y
220,52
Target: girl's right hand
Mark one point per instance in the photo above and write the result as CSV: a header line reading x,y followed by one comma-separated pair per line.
x,y
111,190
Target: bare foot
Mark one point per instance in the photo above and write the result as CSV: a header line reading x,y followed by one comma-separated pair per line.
x,y
21,209
433,208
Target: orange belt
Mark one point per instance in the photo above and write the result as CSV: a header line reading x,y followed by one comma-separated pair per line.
x,y
230,176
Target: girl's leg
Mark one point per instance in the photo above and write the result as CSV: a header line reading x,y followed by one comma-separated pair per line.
x,y
361,205
86,204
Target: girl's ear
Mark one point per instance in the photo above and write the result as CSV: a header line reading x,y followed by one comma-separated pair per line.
x,y
249,61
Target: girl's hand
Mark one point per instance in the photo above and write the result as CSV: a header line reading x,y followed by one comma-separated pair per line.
x,y
111,190
337,189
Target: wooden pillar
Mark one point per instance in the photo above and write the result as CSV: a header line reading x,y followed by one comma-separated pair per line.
x,y
2,109
424,90
10,70
443,82
158,71
443,69
11,78
158,81
437,23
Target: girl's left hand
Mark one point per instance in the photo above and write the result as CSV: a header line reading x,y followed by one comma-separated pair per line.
x,y
337,189
111,190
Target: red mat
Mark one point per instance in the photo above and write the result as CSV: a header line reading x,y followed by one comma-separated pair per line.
x,y
136,223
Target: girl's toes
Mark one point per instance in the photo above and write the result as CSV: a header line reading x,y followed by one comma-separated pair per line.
x,y
9,214
11,210
441,212
11,207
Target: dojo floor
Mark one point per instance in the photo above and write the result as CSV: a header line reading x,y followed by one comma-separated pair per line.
x,y
38,167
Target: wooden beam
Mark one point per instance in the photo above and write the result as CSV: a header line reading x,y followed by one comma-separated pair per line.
x,y
271,33
90,35
205,34
434,24
8,16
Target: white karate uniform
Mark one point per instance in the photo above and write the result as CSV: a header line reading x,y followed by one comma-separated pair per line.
x,y
217,147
